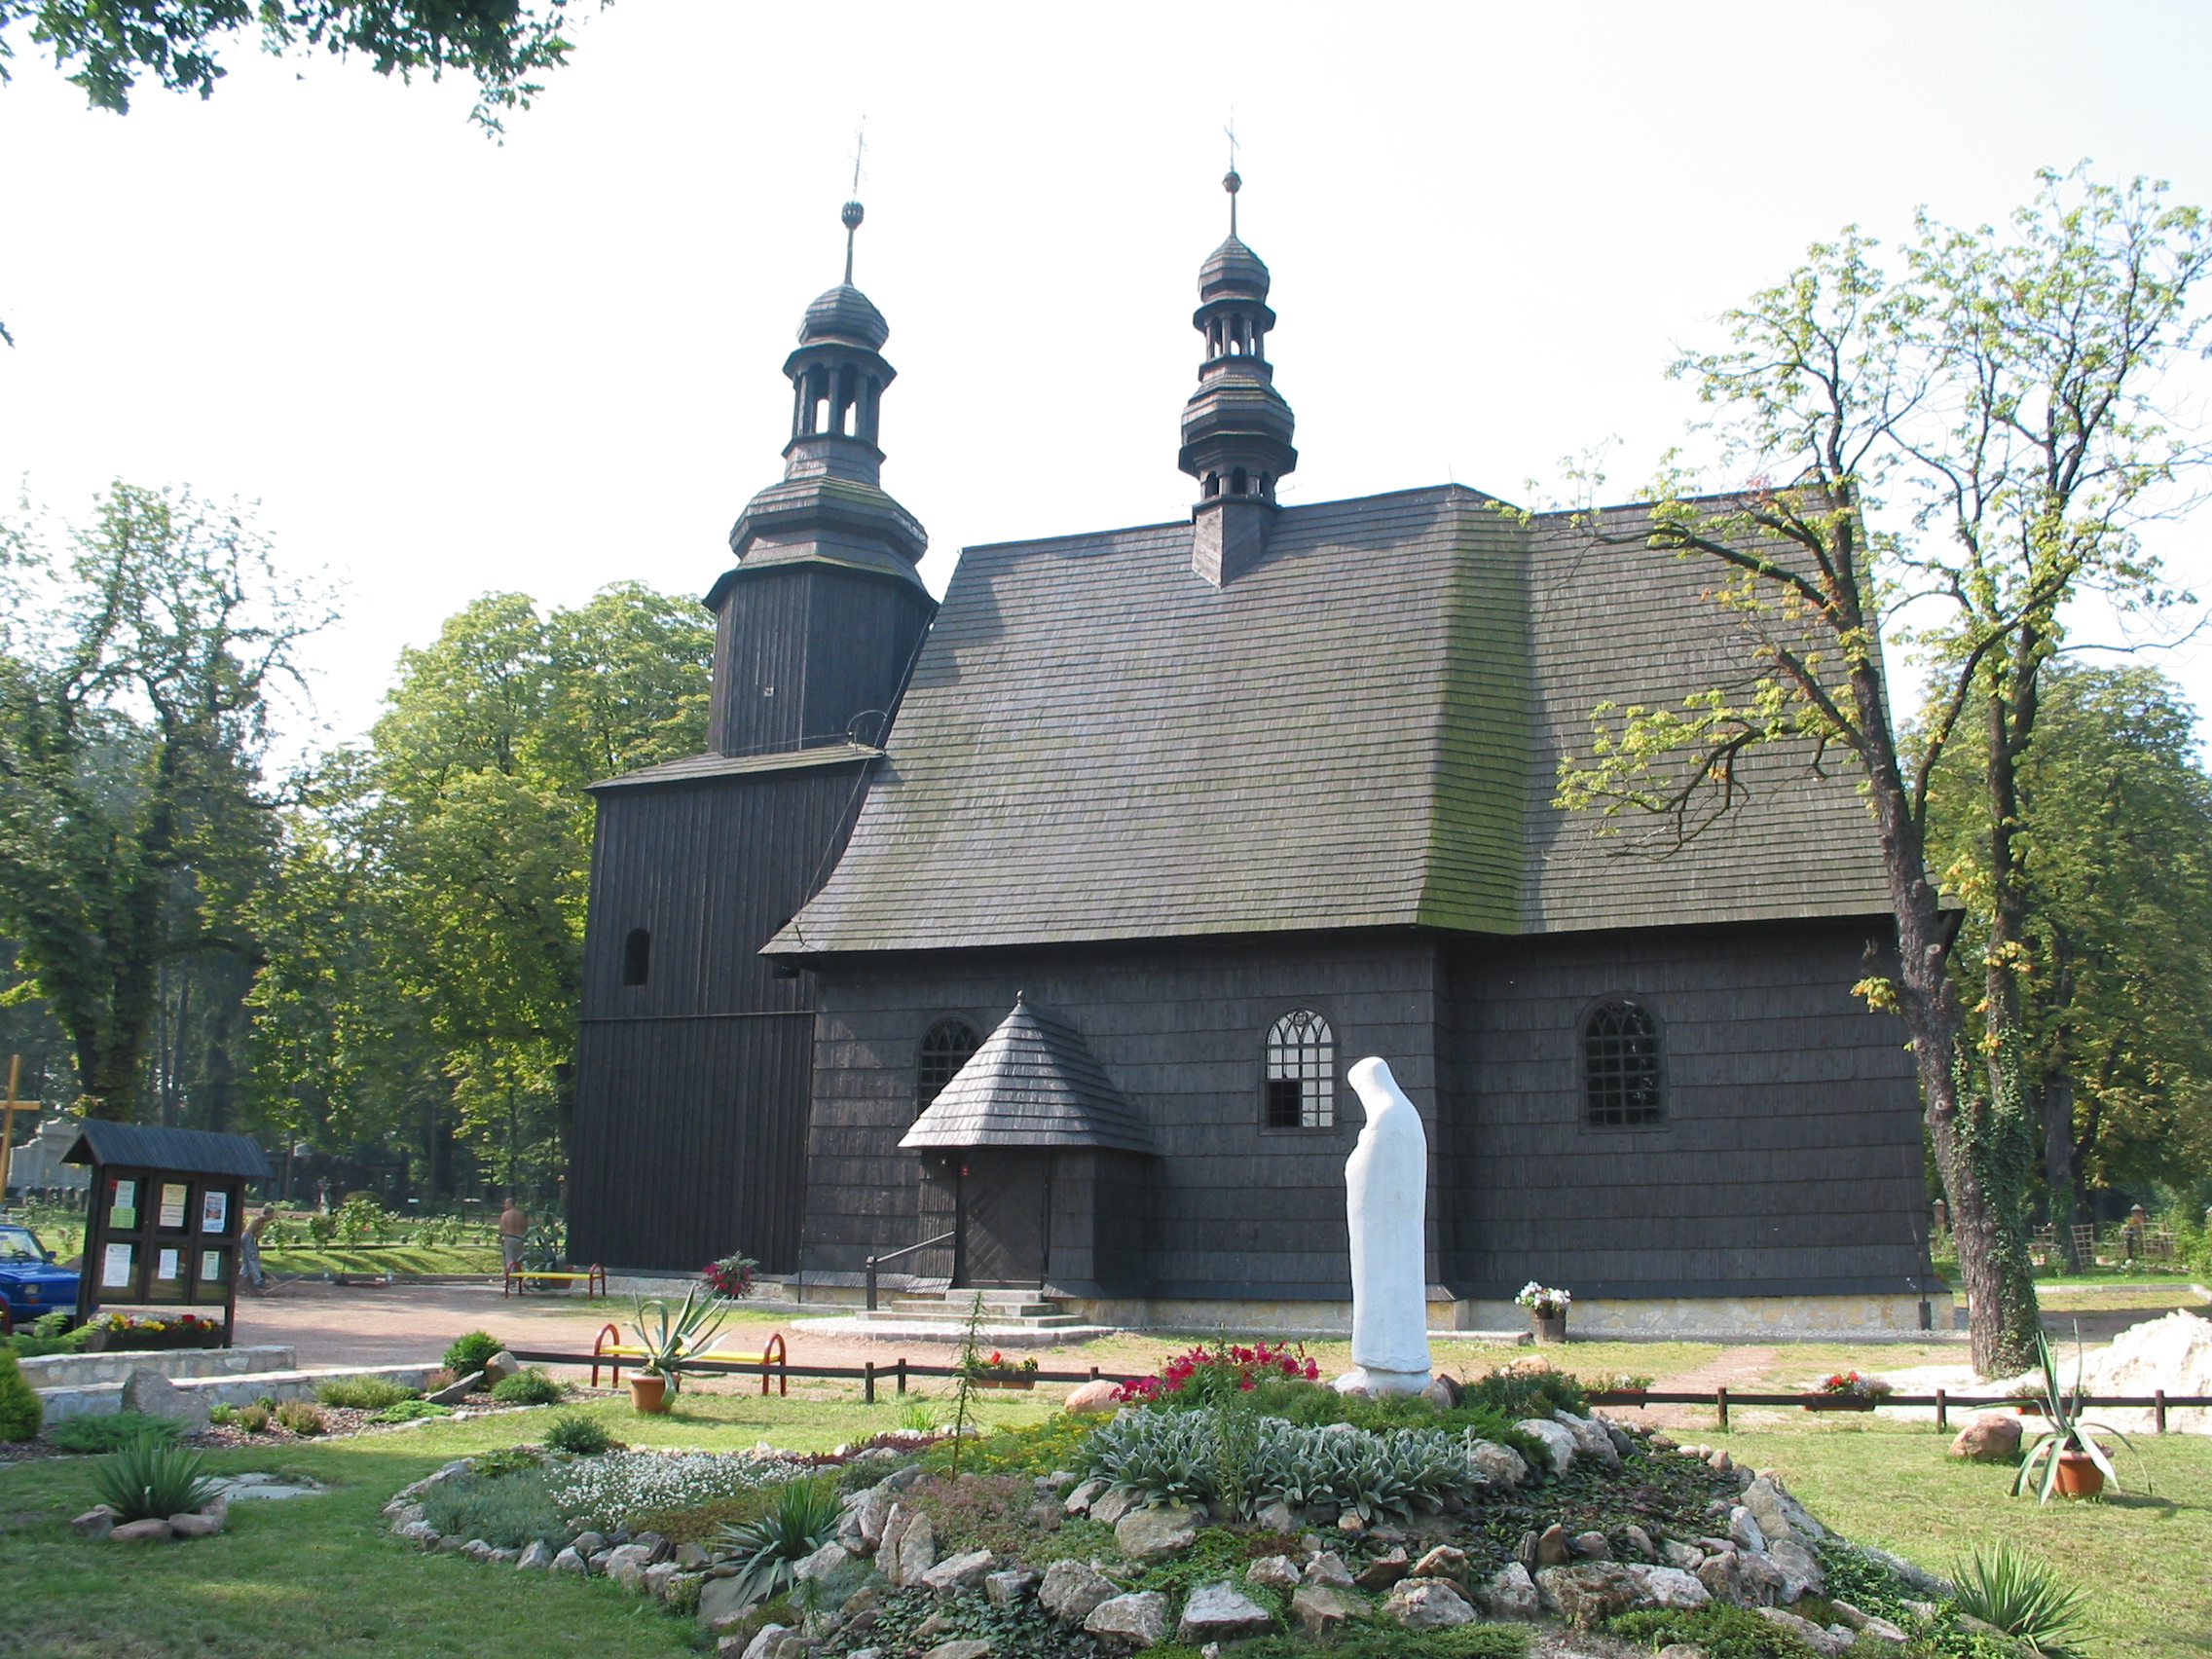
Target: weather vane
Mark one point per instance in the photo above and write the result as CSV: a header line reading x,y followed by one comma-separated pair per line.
x,y
1231,182
854,212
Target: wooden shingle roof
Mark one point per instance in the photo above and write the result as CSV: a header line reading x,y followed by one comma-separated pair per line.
x,y
1033,1082
1362,730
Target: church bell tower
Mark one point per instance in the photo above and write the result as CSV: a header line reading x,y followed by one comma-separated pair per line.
x,y
1237,428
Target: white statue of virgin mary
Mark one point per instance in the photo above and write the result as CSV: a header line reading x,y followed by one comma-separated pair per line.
x,y
1386,1203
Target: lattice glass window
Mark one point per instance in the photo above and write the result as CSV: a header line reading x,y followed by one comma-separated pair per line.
x,y
1620,1066
946,1048
1302,1073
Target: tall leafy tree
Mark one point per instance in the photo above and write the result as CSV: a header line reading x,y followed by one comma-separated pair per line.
x,y
137,669
1982,434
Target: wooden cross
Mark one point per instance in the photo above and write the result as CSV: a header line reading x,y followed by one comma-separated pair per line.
x,y
8,1132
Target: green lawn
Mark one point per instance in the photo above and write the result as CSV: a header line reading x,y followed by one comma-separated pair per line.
x,y
395,1259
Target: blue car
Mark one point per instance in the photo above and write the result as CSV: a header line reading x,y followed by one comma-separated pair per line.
x,y
30,1284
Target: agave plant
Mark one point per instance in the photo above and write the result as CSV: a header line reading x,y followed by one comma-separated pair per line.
x,y
2067,1431
2023,1598
671,1338
766,1550
149,1480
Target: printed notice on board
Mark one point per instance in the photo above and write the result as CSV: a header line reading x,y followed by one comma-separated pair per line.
x,y
171,1265
173,1204
211,1267
214,1211
115,1267
124,1213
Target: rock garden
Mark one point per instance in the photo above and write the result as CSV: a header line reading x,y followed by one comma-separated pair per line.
x,y
1234,1505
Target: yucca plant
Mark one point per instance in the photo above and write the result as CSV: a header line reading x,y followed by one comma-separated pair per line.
x,y
805,1518
2067,1431
2023,1598
670,1339
149,1480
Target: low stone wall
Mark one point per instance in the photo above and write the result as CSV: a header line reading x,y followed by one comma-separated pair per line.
x,y
104,1399
82,1370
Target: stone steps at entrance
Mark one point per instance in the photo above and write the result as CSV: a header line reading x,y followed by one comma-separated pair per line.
x,y
1002,1310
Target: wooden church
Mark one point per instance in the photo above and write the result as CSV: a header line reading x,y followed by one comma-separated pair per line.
x,y
1045,922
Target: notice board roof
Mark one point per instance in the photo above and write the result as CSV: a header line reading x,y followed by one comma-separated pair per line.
x,y
187,1152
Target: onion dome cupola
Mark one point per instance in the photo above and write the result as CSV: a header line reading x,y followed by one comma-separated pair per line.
x,y
1237,428
826,528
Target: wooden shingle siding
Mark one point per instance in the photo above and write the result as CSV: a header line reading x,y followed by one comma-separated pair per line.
x,y
802,649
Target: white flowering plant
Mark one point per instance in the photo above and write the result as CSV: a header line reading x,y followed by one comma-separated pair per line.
x,y
608,1492
1544,1302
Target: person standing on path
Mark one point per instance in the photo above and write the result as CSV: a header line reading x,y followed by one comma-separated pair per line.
x,y
514,1226
249,1247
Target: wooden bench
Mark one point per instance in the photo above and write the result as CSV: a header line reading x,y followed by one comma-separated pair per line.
x,y
611,1350
594,1279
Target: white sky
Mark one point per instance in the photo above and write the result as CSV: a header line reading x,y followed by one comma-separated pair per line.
x,y
445,366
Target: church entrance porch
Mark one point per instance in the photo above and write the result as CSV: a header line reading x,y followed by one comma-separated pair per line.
x,y
1004,1204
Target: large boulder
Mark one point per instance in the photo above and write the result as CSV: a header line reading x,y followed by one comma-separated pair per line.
x,y
154,1395
1139,1619
1801,1571
1591,1439
1993,1437
1499,1465
1072,1592
1779,1513
1510,1593
1559,1444
627,1564
1100,1396
917,1551
1745,1530
1109,1506
959,1572
1327,1570
1745,1580
1221,1612
1829,1643
1318,1612
1008,1589
1427,1603
1671,1588
1586,1596
1146,1534
825,1563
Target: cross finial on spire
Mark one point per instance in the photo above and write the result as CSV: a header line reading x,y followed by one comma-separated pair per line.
x,y
1231,182
854,212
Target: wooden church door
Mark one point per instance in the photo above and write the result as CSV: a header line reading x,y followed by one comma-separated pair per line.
x,y
1005,1222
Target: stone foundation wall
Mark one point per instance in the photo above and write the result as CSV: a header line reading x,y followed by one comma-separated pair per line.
x,y
80,1370
104,1399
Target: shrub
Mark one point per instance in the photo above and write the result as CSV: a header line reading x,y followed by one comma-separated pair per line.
x,y
468,1353
301,1416
409,1411
1519,1394
803,1520
506,1461
2023,1598
574,1432
505,1509
147,1480
610,1491
112,1432
530,1387
363,1394
20,1411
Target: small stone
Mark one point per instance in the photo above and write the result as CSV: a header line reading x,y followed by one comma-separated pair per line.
x,y
452,1543
1427,1603
1689,1557
1498,1465
568,1561
1351,1522
723,1605
1445,1560
1139,1619
1721,1460
420,1532
154,1395
1277,1517
693,1555
1080,1500
1108,1507
1221,1612
1559,1444
455,1393
97,1522
1671,1588
501,1366
825,1563
1382,1572
1824,1643
537,1556
195,1525
1011,1588
1591,1546
1275,1573
626,1564
1045,1516
967,1647
766,1640
589,1544
1682,1651
140,1532
1857,1618
1510,1593
1553,1548
1327,1572
660,1547
1098,1396
1745,1531
1072,1592
660,1579
917,1551
957,1572
1801,1571
1591,1441
1442,1392
1316,1610
1638,1539
1993,1437
1146,1534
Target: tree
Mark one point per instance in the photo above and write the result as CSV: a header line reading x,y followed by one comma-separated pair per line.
x,y
2115,820
108,45
2003,389
136,673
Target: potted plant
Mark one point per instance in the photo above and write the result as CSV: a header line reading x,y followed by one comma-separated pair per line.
x,y
2074,1466
731,1277
1547,1310
1849,1392
666,1339
999,1371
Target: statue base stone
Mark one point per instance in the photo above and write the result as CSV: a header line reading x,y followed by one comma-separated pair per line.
x,y
1366,1380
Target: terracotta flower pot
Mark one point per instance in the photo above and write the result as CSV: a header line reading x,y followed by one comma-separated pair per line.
x,y
1549,1328
649,1392
2079,1475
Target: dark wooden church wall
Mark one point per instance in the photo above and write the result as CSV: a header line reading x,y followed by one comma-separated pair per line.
x,y
803,649
1790,1159
1235,1209
691,1089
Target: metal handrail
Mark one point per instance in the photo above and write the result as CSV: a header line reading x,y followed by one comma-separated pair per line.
x,y
874,1262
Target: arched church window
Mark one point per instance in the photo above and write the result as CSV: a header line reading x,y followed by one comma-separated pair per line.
x,y
636,957
1301,1072
946,1048
1620,1066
